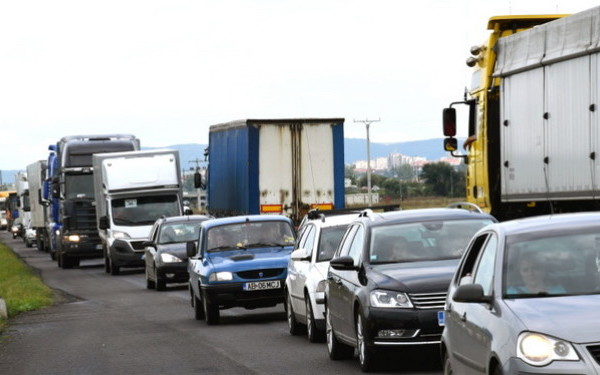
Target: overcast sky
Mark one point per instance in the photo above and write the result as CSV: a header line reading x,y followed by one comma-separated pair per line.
x,y
167,70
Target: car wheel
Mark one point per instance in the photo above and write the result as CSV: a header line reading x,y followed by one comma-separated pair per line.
x,y
335,349
366,355
28,243
161,284
52,255
198,308
497,370
293,325
150,284
313,333
211,311
447,365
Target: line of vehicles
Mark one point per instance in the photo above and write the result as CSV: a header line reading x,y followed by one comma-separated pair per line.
x,y
498,294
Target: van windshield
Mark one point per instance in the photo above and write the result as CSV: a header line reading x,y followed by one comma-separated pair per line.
x,y
144,210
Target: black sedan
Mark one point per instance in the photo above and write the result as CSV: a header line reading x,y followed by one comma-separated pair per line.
x,y
165,251
388,280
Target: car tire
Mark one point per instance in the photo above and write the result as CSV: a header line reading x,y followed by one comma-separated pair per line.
x,y
211,311
52,254
335,349
198,308
28,243
161,283
293,325
313,333
366,354
447,365
106,262
150,284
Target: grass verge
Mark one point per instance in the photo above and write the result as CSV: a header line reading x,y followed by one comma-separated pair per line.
x,y
20,287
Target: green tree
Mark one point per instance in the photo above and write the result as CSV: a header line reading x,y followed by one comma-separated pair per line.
x,y
443,180
405,172
349,173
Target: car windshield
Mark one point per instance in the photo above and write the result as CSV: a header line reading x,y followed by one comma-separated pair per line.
x,y
144,210
250,235
552,263
328,242
179,232
422,241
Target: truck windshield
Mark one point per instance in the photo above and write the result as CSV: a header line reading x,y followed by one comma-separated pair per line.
x,y
144,210
79,186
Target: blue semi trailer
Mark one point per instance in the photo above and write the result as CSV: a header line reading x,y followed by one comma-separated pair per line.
x,y
276,166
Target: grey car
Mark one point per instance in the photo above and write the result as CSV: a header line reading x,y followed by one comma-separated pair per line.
x,y
525,299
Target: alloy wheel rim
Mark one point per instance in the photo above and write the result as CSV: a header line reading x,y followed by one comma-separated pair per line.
x,y
361,340
308,318
289,311
329,332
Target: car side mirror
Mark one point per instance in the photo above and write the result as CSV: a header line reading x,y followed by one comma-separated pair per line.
x,y
470,293
300,255
103,223
345,263
191,249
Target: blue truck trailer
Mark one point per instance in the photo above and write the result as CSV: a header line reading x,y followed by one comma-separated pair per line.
x,y
276,166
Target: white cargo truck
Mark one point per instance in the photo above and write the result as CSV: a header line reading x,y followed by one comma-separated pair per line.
x,y
21,223
132,190
38,208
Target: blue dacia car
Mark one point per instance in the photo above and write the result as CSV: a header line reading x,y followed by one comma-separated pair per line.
x,y
239,261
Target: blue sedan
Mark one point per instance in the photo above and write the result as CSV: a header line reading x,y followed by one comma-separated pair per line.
x,y
525,299
239,262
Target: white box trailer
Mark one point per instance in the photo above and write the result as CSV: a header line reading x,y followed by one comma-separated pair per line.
x,y
550,123
132,190
38,208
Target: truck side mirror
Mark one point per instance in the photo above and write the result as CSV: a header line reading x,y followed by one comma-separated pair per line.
x,y
55,187
449,118
450,144
103,223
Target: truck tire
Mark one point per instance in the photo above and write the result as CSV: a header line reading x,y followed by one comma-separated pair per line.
x,y
211,311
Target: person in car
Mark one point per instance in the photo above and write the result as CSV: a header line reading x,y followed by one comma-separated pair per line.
x,y
534,277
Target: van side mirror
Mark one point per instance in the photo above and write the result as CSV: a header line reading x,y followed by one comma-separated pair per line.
x,y
103,223
449,118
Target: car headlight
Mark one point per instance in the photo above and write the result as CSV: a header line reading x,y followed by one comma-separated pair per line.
x,y
14,229
118,235
168,258
321,286
386,298
537,349
220,276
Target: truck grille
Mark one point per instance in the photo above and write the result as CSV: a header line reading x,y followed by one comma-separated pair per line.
x,y
260,274
428,300
595,352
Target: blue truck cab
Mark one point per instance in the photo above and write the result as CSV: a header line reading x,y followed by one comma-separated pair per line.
x,y
239,261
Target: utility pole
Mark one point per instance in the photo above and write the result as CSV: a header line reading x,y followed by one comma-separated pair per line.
x,y
198,189
368,124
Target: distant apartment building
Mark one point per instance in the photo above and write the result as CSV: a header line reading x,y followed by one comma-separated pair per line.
x,y
395,160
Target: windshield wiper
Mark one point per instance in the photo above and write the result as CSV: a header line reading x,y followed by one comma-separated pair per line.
x,y
219,248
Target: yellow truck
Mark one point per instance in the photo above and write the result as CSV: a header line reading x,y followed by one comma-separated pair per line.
x,y
533,130
3,204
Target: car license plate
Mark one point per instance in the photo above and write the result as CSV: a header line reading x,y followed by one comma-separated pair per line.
x,y
99,247
262,285
441,318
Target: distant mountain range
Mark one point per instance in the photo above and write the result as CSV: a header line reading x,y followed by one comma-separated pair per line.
x,y
354,149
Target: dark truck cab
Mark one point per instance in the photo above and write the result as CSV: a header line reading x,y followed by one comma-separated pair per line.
x,y
74,186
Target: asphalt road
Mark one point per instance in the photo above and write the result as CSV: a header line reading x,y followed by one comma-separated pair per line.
x,y
106,324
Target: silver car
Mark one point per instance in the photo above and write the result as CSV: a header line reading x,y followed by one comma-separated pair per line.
x,y
525,299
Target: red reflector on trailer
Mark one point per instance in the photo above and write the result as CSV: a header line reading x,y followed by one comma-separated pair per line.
x,y
270,208
322,206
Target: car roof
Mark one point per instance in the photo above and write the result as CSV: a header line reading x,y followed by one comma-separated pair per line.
x,y
184,218
422,214
245,218
333,220
548,223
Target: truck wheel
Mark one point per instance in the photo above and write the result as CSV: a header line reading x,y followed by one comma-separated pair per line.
x,y
65,261
211,311
114,269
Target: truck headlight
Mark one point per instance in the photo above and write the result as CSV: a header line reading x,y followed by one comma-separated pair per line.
x,y
73,238
169,258
220,276
537,349
390,299
118,235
